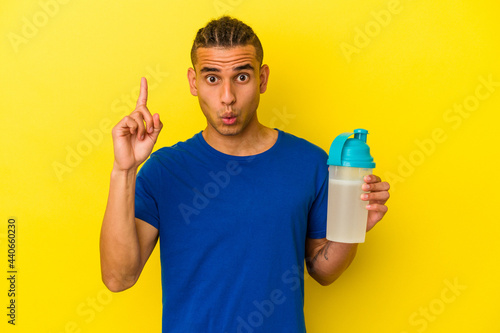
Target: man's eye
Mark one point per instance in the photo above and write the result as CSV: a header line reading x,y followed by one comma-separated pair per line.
x,y
211,79
242,77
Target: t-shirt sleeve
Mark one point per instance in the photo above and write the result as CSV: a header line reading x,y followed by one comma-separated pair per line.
x,y
146,206
316,224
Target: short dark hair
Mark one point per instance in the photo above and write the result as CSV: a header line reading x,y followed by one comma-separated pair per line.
x,y
226,32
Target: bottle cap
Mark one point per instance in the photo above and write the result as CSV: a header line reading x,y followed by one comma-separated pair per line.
x,y
352,152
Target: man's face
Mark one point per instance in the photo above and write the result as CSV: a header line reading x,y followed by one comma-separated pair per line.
x,y
228,83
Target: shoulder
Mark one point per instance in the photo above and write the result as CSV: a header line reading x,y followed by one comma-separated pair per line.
x,y
303,147
180,149
172,156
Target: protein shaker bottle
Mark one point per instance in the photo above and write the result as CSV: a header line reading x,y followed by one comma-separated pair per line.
x,y
349,161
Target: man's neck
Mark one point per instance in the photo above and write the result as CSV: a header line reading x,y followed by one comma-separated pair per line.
x,y
252,141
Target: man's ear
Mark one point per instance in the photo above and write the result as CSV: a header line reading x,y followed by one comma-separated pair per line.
x,y
264,77
192,81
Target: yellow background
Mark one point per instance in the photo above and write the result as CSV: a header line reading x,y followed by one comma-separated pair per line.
x,y
69,69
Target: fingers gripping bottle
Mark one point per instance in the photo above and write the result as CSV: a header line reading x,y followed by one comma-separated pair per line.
x,y
349,161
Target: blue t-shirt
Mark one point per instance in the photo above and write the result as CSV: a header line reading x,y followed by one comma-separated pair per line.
x,y
232,232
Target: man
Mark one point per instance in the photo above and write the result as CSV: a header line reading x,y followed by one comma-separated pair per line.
x,y
238,207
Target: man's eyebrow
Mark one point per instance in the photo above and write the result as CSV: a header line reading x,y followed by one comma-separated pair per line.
x,y
247,66
209,69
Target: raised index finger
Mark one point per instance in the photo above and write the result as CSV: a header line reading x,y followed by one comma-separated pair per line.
x,y
143,94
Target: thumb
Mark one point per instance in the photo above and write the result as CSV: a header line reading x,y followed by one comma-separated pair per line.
x,y
157,126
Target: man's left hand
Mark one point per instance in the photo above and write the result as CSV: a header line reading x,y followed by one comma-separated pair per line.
x,y
378,196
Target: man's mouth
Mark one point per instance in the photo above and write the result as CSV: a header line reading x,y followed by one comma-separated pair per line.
x,y
229,120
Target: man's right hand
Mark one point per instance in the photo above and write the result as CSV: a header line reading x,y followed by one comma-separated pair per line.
x,y
127,242
135,135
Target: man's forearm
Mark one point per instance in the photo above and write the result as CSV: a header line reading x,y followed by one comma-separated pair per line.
x,y
119,243
329,260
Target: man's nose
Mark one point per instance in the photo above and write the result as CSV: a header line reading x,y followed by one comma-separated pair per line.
x,y
228,96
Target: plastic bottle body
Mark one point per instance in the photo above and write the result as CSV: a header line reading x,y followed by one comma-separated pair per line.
x,y
347,213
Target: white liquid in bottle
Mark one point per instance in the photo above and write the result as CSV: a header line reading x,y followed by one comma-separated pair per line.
x,y
345,205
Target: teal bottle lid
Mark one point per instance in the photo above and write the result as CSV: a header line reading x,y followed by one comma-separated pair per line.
x,y
352,152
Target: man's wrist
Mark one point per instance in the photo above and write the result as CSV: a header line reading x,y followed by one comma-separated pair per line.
x,y
117,172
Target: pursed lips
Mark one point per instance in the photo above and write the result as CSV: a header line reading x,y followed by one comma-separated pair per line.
x,y
229,118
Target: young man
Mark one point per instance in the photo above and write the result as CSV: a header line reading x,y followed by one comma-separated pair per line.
x,y
238,207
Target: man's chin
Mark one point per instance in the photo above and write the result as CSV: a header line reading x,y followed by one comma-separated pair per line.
x,y
229,131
